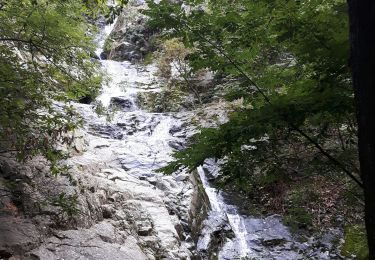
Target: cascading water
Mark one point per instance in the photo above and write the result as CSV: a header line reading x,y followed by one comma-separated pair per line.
x,y
131,146
235,247
251,238
145,136
136,143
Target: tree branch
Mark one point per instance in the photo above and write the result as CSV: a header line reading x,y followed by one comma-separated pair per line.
x,y
267,99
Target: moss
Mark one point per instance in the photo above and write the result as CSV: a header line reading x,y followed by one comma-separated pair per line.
x,y
148,58
355,242
108,45
200,186
9,184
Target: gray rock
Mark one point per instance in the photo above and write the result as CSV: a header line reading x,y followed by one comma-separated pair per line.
x,y
144,228
106,131
89,244
18,235
182,177
122,103
152,180
108,210
103,55
131,36
175,129
176,145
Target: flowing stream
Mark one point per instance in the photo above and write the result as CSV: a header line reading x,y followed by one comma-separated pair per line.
x,y
140,139
145,141
140,142
251,237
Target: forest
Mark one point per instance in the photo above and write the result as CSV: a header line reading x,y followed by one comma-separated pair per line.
x,y
187,129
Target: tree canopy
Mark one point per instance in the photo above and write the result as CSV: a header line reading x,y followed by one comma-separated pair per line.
x,y
288,62
45,62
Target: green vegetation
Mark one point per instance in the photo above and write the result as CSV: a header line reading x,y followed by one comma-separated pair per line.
x,y
172,58
297,125
298,215
45,62
355,242
148,59
108,45
170,99
67,206
305,79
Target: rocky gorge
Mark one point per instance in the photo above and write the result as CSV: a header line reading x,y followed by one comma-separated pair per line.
x,y
118,206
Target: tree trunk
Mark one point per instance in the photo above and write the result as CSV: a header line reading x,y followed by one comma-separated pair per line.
x,y
362,39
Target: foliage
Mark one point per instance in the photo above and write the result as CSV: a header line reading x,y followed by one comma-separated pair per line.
x,y
172,64
298,215
67,207
108,45
298,218
45,63
298,63
173,54
148,58
170,99
290,61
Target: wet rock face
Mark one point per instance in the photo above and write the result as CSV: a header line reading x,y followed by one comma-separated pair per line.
x,y
122,103
215,231
104,55
86,100
127,51
107,131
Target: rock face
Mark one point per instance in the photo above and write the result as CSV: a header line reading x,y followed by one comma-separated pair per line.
x,y
120,216
98,242
111,203
131,38
122,103
17,236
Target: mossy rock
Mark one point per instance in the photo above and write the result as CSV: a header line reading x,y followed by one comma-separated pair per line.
x,y
168,100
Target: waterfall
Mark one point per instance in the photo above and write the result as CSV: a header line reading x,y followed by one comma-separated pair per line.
x,y
236,247
136,143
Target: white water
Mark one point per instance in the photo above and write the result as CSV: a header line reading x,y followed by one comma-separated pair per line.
x,y
137,143
238,246
147,148
102,37
132,145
